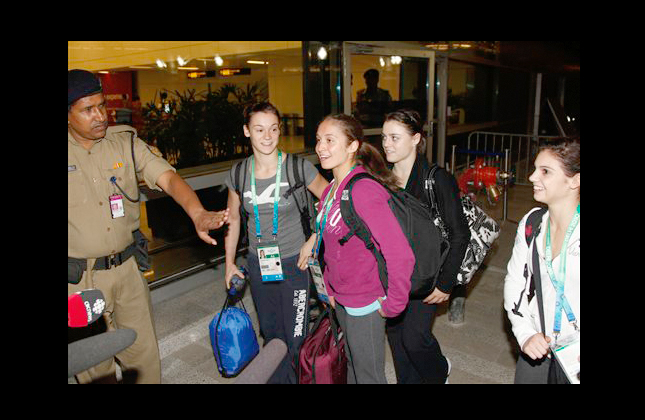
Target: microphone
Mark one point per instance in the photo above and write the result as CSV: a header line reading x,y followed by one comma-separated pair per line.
x,y
88,352
84,307
264,364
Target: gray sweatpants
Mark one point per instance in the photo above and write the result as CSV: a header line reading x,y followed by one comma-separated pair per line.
x,y
364,345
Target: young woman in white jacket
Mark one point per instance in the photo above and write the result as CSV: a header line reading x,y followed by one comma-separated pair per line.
x,y
556,183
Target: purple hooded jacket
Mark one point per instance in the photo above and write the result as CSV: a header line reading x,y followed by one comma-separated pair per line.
x,y
351,272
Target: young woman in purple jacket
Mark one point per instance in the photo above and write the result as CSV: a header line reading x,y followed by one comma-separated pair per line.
x,y
351,272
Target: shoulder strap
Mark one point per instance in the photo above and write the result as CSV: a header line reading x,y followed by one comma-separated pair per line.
x,y
296,173
533,224
348,212
238,186
531,231
538,286
235,176
430,189
305,209
307,213
358,227
293,186
291,170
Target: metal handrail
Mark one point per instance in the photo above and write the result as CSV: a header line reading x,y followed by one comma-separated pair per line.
x,y
496,143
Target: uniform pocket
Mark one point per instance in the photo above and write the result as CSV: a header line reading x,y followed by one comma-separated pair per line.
x,y
124,177
76,188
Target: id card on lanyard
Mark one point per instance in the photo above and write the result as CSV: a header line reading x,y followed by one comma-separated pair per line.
x,y
312,262
116,202
561,303
268,251
116,206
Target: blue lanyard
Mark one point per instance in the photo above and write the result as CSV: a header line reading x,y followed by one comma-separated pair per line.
x,y
276,198
561,302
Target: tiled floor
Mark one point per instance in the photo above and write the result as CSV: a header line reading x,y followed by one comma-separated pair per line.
x,y
482,349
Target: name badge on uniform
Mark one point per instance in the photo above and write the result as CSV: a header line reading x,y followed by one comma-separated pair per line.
x,y
270,265
116,206
317,275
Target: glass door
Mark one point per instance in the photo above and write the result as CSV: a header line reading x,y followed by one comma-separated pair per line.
x,y
383,78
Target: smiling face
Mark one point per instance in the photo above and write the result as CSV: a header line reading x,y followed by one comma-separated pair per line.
x,y
550,183
87,119
333,147
264,131
398,143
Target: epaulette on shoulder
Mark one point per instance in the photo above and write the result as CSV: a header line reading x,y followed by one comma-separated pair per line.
x,y
117,129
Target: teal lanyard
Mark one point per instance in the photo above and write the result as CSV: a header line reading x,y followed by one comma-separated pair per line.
x,y
276,197
321,219
561,302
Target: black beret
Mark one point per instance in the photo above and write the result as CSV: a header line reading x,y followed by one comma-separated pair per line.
x,y
81,83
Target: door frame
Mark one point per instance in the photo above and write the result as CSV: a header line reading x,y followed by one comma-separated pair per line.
x,y
390,48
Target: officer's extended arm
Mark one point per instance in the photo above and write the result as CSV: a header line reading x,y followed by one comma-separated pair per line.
x,y
183,194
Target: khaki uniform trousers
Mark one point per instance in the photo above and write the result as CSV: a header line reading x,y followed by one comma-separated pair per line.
x,y
128,305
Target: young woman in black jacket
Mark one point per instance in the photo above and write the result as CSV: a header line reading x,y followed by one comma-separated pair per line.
x,y
416,352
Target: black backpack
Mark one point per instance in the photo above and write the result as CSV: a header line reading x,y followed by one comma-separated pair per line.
x,y
295,178
429,247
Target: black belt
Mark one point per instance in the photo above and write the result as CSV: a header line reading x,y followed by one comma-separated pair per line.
x,y
109,261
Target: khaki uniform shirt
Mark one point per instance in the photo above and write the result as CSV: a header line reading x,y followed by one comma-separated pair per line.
x,y
91,230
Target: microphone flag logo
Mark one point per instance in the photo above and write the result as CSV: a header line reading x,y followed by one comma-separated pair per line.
x,y
98,306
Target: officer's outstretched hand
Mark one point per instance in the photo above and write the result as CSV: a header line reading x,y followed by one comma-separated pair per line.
x,y
209,220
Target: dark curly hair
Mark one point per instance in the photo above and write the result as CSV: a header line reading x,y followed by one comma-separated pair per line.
x,y
567,151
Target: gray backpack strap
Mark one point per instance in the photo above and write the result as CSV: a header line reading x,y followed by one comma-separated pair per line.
x,y
238,186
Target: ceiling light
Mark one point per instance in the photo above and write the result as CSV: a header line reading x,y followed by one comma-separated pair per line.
x,y
218,60
256,62
161,64
322,53
181,61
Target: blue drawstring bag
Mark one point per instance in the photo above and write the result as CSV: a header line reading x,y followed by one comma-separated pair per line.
x,y
233,338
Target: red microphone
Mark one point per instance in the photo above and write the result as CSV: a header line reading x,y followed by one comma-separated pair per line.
x,y
84,307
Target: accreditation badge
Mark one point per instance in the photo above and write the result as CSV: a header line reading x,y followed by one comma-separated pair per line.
x,y
116,206
567,352
270,264
317,276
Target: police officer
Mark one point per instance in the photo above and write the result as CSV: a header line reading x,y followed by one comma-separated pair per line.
x,y
103,222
